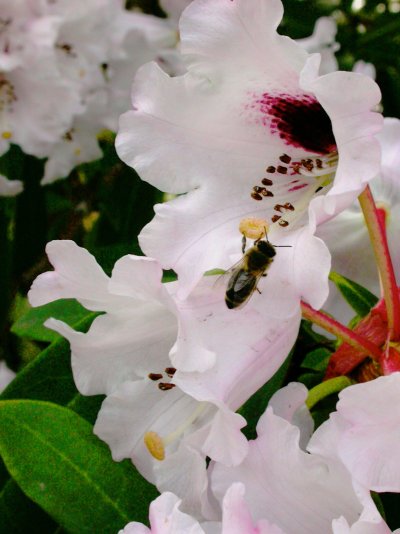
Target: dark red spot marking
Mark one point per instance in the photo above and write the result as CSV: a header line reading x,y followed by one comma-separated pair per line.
x,y
300,122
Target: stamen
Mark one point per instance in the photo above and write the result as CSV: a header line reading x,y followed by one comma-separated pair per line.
x,y
170,371
156,445
155,376
6,135
253,228
267,181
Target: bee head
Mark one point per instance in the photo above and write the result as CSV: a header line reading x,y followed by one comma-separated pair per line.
x,y
266,248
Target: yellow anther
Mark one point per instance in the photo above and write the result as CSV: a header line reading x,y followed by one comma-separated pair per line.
x,y
77,152
253,228
155,445
6,135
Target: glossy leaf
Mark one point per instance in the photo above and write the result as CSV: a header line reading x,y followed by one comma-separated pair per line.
x,y
54,457
30,325
359,298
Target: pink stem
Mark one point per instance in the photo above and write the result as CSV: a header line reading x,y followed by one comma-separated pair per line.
x,y
377,234
339,330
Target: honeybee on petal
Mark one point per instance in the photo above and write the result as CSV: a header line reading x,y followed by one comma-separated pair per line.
x,y
245,275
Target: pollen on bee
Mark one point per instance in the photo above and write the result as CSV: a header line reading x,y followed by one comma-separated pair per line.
x,y
6,135
253,228
155,445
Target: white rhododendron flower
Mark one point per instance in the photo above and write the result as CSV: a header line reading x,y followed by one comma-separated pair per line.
x,y
166,518
297,491
347,235
66,70
364,433
322,41
341,526
251,130
174,371
10,188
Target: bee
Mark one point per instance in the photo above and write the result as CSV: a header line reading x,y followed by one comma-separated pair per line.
x,y
245,275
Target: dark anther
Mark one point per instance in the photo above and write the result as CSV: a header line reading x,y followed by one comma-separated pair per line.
x,y
257,189
165,387
271,169
283,223
256,196
319,163
318,189
155,376
170,371
276,218
289,206
267,181
279,207
281,169
285,158
266,193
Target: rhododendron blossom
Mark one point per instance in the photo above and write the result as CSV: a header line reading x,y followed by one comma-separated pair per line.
x,y
364,432
297,491
347,236
174,371
10,188
166,518
251,130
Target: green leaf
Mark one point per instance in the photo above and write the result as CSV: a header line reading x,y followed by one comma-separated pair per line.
x,y
359,298
49,377
317,360
30,325
256,405
54,457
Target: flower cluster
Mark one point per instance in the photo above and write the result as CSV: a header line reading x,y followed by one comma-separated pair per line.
x,y
65,74
258,143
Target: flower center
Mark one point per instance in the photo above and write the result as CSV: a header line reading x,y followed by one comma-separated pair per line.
x,y
296,181
157,444
300,121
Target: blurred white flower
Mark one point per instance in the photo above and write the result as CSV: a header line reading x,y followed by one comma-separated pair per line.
x,y
347,235
10,188
322,41
6,375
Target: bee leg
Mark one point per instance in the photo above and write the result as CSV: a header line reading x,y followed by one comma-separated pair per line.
x,y
258,290
243,244
265,274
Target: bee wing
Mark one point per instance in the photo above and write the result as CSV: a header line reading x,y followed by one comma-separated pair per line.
x,y
241,286
224,278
